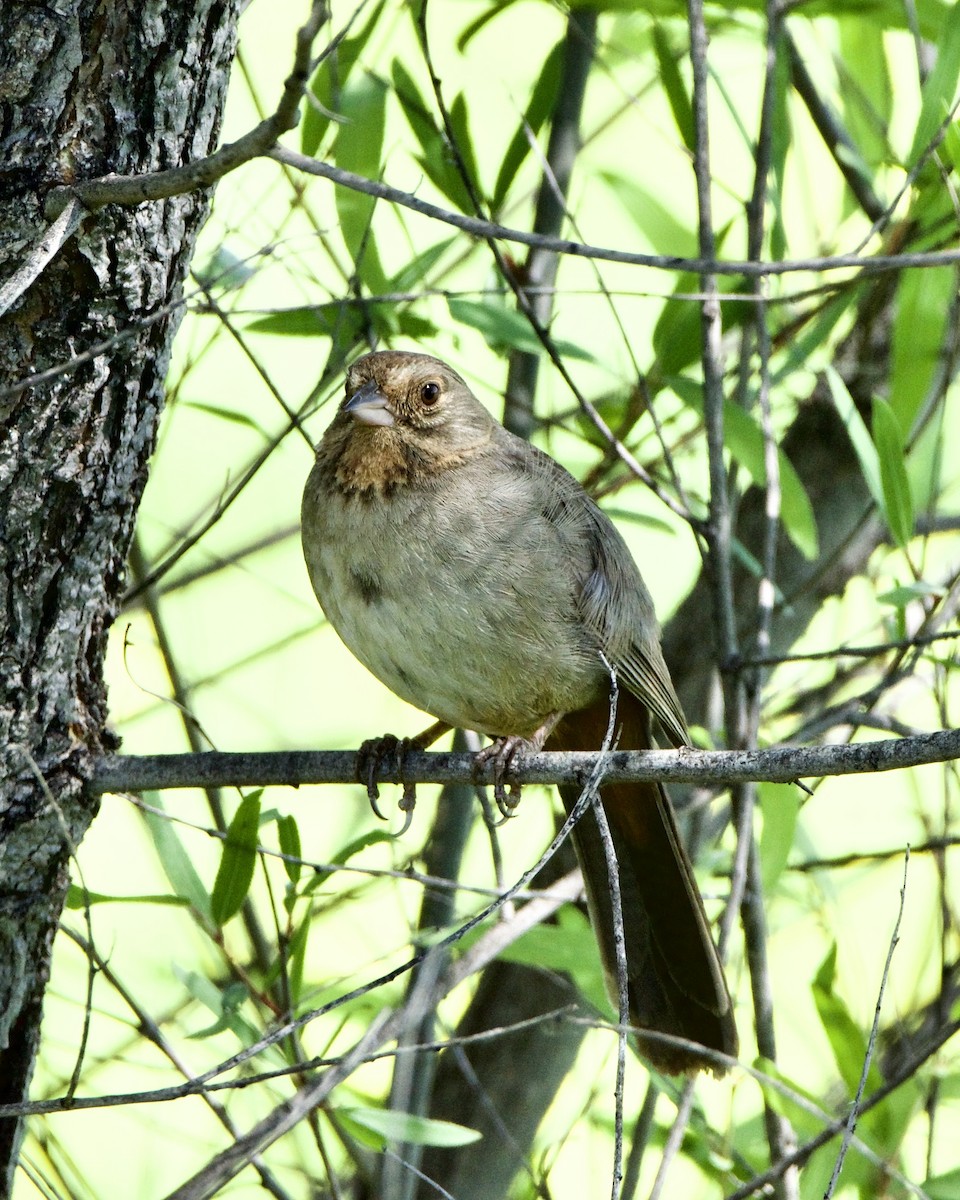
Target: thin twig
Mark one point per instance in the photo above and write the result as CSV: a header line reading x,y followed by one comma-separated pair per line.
x,y
60,230
851,1123
869,264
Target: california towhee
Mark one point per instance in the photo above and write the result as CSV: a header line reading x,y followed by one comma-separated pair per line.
x,y
474,576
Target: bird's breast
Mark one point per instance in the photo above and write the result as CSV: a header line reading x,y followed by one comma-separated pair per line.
x,y
454,597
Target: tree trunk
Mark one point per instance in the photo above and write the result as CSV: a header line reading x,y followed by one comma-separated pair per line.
x,y
86,88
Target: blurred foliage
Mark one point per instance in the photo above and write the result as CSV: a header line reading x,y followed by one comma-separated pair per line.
x,y
295,278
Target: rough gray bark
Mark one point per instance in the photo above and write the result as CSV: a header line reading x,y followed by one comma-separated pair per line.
x,y
85,88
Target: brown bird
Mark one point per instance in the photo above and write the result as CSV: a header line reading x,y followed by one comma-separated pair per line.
x,y
474,576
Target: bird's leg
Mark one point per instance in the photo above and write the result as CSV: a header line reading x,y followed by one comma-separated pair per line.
x,y
373,753
502,751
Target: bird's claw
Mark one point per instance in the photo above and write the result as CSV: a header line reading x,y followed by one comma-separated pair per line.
x,y
371,756
501,753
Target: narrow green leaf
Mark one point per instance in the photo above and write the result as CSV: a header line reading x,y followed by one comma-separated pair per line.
x,y
658,224
860,439
328,82
176,863
288,835
435,158
225,414
224,271
940,85
951,145
340,320
743,437
238,859
296,956
867,98
347,852
460,124
542,99
780,807
504,329
419,267
392,1126
891,452
78,897
847,1041
924,306
674,86
358,147
905,593
943,1187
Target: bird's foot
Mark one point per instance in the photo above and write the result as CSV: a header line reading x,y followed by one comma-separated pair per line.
x,y
374,752
501,752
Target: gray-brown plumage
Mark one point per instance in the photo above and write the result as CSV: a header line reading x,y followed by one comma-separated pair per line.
x,y
473,575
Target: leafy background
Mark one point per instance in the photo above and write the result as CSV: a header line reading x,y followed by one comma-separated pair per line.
x,y
221,642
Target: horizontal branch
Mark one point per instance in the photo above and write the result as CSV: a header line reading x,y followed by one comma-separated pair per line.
x,y
752,269
293,768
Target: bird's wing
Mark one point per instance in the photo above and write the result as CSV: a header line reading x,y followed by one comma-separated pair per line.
x,y
612,598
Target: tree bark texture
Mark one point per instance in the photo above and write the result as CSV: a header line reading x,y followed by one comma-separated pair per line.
x,y
86,87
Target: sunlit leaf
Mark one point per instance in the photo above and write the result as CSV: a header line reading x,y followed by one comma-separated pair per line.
x,y
891,453
542,99
504,329
177,864
388,1125
237,860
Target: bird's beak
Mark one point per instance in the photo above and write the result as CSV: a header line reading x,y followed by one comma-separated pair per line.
x,y
369,406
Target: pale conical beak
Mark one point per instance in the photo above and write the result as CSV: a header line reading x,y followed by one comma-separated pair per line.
x,y
369,406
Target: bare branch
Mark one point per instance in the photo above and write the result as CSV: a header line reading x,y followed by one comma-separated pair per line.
x,y
296,768
160,185
871,264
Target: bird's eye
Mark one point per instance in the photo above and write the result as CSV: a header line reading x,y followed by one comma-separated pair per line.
x,y
430,393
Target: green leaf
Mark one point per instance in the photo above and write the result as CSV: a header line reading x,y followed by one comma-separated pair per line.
x,y
905,593
328,82
860,439
658,224
288,835
225,1005
940,86
388,1125
847,1040
542,99
435,159
340,320
176,863
674,86
78,897
743,437
224,271
866,92
237,860
296,956
567,945
943,1187
357,148
349,851
418,267
459,123
780,807
504,329
225,414
924,306
897,500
